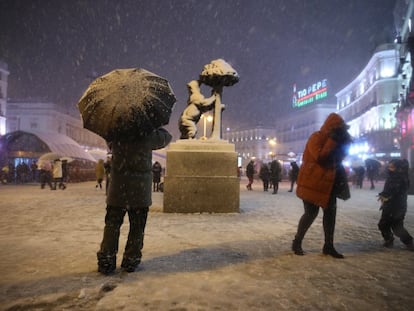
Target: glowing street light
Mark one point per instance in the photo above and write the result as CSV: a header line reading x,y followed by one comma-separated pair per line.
x,y
272,143
206,119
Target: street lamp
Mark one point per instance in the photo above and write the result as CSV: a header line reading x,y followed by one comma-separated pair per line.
x,y
272,143
206,119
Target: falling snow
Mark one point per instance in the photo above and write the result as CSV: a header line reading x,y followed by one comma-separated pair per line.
x,y
237,261
54,49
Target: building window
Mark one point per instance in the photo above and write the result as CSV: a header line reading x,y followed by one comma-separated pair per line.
x,y
387,68
361,88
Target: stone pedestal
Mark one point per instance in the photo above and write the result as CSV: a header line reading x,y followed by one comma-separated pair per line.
x,y
201,176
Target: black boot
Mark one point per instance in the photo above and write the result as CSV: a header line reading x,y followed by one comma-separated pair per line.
x,y
129,264
331,251
106,263
388,243
297,247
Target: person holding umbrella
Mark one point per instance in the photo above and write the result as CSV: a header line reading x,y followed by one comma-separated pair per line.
x,y
129,192
128,108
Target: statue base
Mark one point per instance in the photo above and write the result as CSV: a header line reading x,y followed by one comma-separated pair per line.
x,y
201,177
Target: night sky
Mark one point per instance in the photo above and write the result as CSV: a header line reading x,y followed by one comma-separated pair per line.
x,y
54,47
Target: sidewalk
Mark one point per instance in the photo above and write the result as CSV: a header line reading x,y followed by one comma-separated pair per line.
x,y
238,261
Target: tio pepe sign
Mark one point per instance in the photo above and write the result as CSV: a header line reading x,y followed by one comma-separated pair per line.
x,y
311,94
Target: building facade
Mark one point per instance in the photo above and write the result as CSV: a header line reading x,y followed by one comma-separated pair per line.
x,y
368,104
258,143
4,74
38,116
293,131
286,139
404,14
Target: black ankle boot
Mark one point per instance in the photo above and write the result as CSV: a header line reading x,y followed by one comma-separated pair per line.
x,y
106,263
129,264
388,243
297,247
331,251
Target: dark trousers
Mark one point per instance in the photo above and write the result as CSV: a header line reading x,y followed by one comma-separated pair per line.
x,y
292,184
275,183
249,185
60,182
113,221
265,184
329,219
45,178
388,225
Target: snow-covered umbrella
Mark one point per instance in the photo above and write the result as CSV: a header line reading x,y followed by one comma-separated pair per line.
x,y
126,102
67,159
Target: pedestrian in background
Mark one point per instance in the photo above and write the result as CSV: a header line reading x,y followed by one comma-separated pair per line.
x,y
58,175
275,175
322,179
107,167
394,205
156,176
129,192
293,174
250,174
372,173
359,173
264,175
34,169
99,173
45,174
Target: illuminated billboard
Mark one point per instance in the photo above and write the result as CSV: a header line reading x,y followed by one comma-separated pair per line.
x,y
311,94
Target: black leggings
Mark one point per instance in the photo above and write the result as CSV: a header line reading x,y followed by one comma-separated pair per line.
x,y
329,219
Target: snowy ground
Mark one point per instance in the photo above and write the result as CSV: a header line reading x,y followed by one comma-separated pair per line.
x,y
49,239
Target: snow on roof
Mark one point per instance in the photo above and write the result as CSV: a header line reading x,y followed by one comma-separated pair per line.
x,y
63,145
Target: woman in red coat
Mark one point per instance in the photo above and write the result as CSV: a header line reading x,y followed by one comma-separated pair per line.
x,y
322,179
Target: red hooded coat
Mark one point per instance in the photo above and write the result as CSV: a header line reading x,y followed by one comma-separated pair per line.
x,y
317,173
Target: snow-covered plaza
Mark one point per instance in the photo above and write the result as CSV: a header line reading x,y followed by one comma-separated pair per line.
x,y
243,261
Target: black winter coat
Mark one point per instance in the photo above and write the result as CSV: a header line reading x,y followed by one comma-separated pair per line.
x,y
395,194
131,169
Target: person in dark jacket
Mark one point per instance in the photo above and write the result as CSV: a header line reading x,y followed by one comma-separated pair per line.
x,y
275,175
394,205
156,176
321,180
107,167
359,173
250,174
264,175
129,192
293,174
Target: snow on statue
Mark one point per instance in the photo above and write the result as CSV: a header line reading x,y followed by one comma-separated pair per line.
x,y
197,104
216,74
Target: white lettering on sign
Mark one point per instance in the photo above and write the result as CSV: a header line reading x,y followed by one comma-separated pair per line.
x,y
314,92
